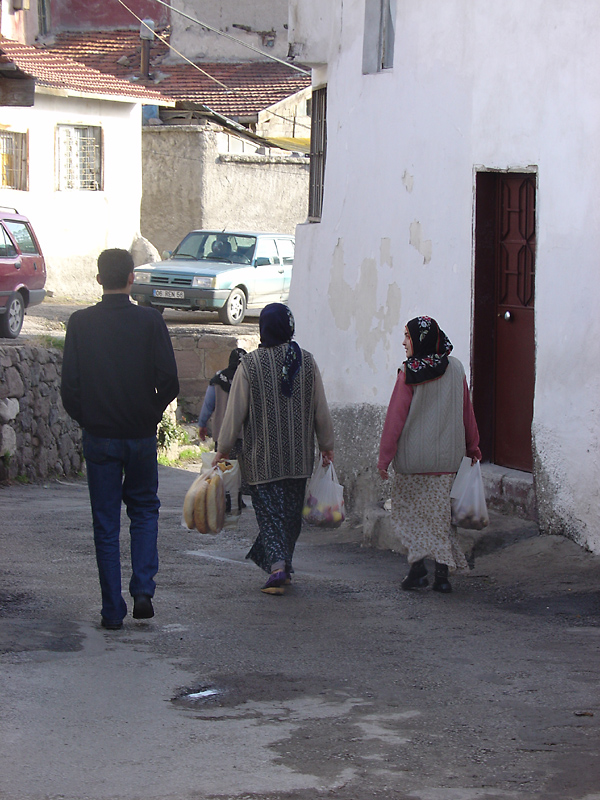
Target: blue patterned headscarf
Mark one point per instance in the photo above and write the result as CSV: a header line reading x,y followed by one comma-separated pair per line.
x,y
276,325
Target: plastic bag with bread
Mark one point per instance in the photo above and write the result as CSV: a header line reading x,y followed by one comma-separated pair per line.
x,y
204,503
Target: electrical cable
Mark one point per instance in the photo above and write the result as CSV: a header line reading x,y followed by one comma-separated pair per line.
x,y
228,36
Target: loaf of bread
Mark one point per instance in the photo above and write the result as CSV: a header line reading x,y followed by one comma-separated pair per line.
x,y
204,503
190,500
200,516
215,503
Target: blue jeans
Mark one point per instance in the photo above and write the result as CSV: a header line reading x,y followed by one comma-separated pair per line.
x,y
123,470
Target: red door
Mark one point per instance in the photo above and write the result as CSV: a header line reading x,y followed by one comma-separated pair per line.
x,y
504,337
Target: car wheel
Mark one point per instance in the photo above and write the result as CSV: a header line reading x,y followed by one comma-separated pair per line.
x,y
234,309
11,321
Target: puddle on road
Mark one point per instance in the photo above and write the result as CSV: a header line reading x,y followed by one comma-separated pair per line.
x,y
195,695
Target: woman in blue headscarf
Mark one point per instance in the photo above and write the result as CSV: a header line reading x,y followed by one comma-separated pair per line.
x,y
277,398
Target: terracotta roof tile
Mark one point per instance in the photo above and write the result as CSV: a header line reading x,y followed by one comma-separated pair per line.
x,y
55,71
251,86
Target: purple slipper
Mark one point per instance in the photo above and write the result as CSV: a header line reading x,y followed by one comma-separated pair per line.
x,y
275,583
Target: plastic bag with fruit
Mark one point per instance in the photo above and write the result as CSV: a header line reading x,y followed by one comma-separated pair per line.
x,y
324,503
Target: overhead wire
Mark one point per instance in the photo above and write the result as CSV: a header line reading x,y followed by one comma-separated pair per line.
x,y
168,44
229,36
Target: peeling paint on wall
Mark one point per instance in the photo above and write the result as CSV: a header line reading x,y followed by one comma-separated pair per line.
x,y
424,246
408,181
358,304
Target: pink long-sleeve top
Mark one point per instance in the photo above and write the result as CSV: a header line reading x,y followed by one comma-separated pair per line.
x,y
396,418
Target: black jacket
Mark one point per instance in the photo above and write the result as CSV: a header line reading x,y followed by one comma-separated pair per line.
x,y
119,371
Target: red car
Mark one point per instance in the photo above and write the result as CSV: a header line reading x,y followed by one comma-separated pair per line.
x,y
22,271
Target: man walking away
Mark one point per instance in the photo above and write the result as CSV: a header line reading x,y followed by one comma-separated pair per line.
x,y
119,374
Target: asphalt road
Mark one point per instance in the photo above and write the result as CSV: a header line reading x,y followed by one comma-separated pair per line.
x,y
346,687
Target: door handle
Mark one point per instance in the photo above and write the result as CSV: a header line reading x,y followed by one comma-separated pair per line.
x,y
507,316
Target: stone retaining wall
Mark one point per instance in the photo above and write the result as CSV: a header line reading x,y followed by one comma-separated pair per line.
x,y
37,437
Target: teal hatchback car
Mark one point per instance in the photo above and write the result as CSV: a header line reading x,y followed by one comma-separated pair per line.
x,y
224,271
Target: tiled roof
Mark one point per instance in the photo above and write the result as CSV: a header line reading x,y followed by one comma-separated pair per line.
x,y
55,71
251,86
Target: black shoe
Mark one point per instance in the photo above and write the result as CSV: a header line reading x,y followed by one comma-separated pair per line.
x,y
111,624
142,607
417,576
441,582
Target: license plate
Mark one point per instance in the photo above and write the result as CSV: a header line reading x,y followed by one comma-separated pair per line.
x,y
172,293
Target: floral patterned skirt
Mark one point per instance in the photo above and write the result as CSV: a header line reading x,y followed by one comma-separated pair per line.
x,y
421,519
278,508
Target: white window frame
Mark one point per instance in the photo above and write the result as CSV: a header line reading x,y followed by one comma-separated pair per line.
x,y
379,36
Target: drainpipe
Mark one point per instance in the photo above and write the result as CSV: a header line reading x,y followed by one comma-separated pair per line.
x,y
146,35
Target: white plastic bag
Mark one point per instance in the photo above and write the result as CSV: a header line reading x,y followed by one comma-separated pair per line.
x,y
324,502
469,509
204,503
232,479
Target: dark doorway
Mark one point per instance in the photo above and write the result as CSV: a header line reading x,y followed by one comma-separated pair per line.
x,y
504,336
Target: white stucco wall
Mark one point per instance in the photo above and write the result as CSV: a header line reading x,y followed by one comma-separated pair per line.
x,y
73,227
504,86
261,24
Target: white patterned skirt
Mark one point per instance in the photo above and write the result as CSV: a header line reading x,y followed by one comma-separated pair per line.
x,y
421,519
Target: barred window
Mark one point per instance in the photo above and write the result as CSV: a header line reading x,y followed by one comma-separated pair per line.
x,y
13,159
318,152
79,158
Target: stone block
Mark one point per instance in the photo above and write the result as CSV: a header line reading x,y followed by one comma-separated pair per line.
x,y
14,383
9,408
8,441
49,373
215,360
190,364
184,343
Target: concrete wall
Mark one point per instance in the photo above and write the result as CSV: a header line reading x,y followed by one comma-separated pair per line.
x,y
261,24
199,354
506,87
194,178
74,226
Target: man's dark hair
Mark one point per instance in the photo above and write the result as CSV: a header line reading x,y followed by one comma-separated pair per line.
x,y
114,267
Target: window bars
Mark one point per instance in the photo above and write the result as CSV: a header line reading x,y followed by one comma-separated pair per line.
x,y
13,160
79,158
318,152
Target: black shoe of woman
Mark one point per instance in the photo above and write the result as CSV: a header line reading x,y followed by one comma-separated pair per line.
x,y
417,576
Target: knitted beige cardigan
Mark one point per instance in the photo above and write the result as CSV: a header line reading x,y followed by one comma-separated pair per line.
x,y
433,437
